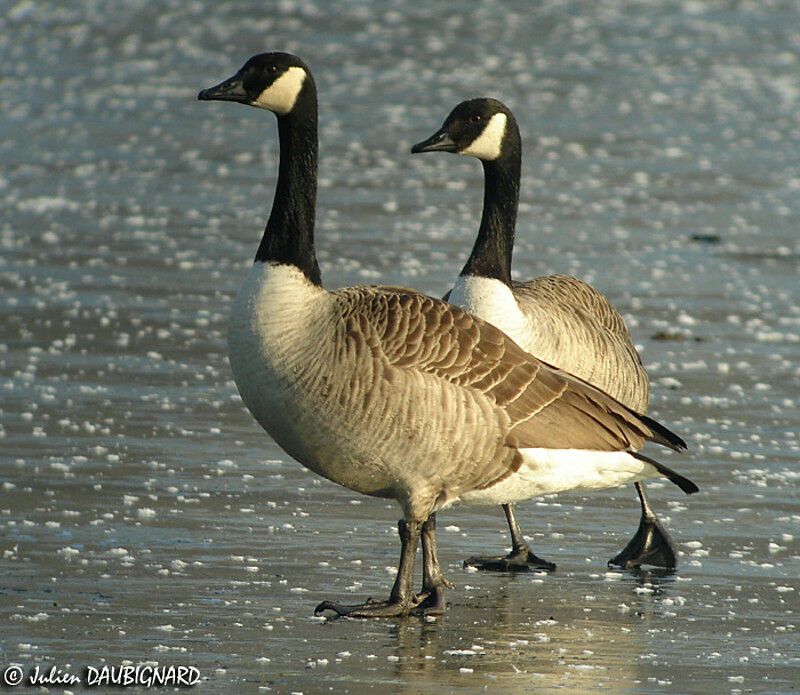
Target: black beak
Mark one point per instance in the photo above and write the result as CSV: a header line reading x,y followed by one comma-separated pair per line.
x,y
440,141
231,89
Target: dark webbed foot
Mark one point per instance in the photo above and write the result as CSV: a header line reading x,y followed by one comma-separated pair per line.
x,y
428,602
369,609
521,560
650,545
431,600
402,601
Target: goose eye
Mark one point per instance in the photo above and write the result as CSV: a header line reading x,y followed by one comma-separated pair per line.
x,y
476,118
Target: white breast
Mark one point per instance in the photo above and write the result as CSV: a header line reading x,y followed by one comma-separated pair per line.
x,y
270,339
290,365
493,301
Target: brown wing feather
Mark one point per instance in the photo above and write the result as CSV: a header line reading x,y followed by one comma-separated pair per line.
x,y
579,330
546,406
421,354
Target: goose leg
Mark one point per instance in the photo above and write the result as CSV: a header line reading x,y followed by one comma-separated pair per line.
x,y
431,601
520,559
650,545
402,599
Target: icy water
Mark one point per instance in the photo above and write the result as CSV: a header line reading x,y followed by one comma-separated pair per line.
x,y
146,519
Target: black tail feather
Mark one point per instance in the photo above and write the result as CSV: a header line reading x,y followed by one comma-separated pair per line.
x,y
662,435
683,483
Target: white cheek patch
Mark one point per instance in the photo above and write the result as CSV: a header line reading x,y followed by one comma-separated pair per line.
x,y
281,95
488,144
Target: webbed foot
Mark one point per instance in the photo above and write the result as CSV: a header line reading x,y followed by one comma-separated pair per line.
x,y
369,609
521,560
650,545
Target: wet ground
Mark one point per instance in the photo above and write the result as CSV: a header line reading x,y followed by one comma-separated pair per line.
x,y
147,520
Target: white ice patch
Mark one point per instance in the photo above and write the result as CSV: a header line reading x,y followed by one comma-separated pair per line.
x,y
281,95
488,144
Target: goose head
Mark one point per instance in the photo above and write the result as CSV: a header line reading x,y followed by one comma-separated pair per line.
x,y
283,84
483,128
271,81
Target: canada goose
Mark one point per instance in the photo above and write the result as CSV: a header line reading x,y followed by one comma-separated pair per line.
x,y
395,394
562,320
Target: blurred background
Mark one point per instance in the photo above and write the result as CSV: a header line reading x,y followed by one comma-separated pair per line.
x,y
146,517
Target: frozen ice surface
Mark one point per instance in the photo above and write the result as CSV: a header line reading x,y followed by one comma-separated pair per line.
x,y
146,518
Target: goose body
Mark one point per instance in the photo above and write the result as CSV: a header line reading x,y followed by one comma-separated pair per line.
x,y
326,374
392,393
323,372
561,320
564,322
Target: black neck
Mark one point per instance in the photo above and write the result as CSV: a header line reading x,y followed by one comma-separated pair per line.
x,y
491,254
289,235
